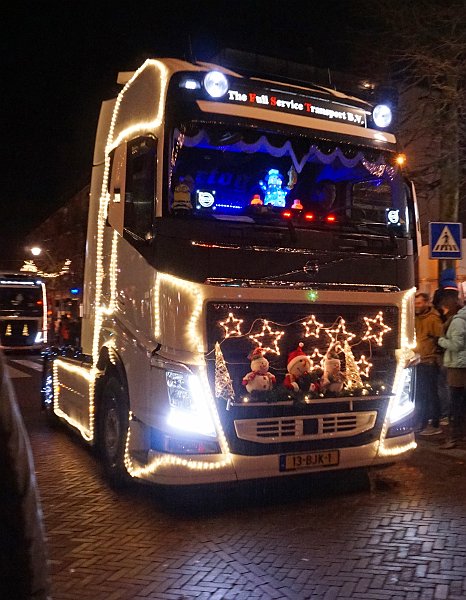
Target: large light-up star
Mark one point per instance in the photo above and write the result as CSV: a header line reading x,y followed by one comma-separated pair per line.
x,y
376,329
232,326
339,335
313,327
268,336
364,366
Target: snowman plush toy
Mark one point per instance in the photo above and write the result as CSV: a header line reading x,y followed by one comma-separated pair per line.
x,y
258,379
299,376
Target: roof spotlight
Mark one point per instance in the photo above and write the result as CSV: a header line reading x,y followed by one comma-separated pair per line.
x,y
216,84
382,115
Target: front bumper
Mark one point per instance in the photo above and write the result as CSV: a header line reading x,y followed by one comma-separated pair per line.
x,y
209,469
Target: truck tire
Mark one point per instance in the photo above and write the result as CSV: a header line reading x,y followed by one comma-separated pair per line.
x,y
112,431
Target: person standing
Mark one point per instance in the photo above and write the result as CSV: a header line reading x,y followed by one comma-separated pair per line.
x,y
23,555
428,327
454,359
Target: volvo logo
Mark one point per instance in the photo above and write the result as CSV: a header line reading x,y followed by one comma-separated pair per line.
x,y
311,268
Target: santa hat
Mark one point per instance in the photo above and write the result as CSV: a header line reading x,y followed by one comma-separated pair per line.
x,y
295,356
256,353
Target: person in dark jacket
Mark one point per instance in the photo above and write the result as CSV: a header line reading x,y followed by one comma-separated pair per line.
x,y
23,555
454,359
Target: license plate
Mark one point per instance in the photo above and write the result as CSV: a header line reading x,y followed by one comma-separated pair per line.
x,y
309,460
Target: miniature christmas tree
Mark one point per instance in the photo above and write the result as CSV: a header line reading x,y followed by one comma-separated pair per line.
x,y
223,384
353,377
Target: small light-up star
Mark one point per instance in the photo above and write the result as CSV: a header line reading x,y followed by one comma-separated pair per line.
x,y
376,333
313,327
267,338
316,359
232,326
364,366
339,335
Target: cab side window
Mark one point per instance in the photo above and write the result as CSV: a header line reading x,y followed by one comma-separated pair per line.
x,y
140,189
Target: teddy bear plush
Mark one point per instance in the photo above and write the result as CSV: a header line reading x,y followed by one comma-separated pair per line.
x,y
258,379
333,378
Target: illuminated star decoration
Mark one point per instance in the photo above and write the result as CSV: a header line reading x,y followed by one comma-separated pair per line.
x,y
232,326
364,366
339,335
268,336
313,327
316,355
380,329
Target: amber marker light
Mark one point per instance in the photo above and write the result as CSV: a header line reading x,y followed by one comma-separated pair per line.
x,y
400,159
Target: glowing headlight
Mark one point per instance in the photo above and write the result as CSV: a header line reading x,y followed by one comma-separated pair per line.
x,y
382,115
402,404
216,84
189,408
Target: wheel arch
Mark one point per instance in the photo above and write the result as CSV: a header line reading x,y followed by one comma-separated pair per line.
x,y
110,365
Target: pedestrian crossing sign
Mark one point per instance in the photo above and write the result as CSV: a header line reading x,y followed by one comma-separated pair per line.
x,y
445,240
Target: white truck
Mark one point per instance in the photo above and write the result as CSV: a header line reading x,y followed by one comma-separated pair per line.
x,y
249,283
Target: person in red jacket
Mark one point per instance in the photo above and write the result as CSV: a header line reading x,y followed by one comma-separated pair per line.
x,y
23,554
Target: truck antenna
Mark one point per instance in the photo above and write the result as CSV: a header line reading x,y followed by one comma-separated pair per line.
x,y
191,56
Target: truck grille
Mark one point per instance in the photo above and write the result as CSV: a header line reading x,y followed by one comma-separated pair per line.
x,y
293,429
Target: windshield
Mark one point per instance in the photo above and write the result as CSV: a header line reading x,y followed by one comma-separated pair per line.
x,y
236,173
18,300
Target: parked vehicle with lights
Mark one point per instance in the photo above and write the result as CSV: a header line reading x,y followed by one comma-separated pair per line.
x,y
23,312
249,282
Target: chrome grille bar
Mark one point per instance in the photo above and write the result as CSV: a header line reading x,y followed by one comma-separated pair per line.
x,y
292,429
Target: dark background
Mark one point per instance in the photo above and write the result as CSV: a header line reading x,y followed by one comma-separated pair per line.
x,y
62,59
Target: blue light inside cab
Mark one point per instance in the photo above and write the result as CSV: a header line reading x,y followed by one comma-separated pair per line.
x,y
272,186
230,206
190,84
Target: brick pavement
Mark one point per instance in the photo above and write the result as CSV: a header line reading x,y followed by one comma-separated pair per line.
x,y
404,537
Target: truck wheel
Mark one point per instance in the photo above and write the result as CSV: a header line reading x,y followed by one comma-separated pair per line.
x,y
113,429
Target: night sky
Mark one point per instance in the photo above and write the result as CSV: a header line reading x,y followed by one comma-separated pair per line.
x,y
62,59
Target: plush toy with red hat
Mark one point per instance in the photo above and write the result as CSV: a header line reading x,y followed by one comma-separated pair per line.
x,y
299,376
258,379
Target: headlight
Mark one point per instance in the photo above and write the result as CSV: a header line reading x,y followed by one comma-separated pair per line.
x,y
216,84
382,115
189,405
402,404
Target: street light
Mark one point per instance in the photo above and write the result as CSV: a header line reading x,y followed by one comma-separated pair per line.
x,y
54,269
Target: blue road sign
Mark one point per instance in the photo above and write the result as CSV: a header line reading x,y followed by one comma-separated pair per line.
x,y
445,240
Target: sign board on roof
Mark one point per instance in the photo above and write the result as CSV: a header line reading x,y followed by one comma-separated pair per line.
x,y
283,101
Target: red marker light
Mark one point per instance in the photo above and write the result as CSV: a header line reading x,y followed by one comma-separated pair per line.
x,y
331,218
309,216
287,214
